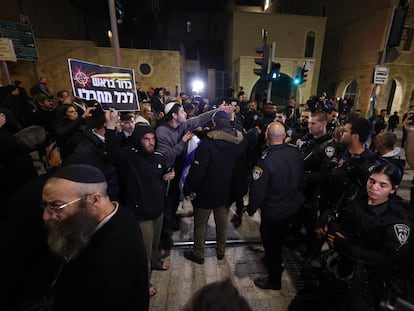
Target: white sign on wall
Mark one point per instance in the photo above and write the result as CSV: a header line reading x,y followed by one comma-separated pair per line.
x,y
7,50
381,75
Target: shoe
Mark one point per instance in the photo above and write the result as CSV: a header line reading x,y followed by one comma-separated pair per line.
x,y
220,256
236,221
263,283
188,254
160,266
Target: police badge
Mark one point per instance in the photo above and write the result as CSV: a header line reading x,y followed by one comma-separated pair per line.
x,y
402,231
257,172
329,151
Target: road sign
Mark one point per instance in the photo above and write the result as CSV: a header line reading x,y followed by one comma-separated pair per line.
x,y
7,50
22,37
381,75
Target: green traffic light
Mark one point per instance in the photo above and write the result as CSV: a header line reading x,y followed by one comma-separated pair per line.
x,y
296,81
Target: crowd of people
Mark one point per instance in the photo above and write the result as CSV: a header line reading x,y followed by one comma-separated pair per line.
x,y
109,205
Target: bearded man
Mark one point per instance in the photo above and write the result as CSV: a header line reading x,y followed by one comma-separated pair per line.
x,y
105,263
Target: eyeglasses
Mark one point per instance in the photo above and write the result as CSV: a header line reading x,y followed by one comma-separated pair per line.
x,y
57,208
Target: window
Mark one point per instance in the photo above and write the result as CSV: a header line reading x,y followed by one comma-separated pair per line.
x,y
145,69
188,26
310,44
406,39
352,93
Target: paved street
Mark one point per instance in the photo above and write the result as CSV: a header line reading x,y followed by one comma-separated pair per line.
x,y
242,263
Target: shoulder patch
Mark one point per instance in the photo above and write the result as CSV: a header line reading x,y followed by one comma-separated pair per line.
x,y
329,151
402,232
257,172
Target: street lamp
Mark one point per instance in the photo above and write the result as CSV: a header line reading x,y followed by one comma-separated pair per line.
x,y
198,86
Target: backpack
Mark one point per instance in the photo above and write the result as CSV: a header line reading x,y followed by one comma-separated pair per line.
x,y
52,154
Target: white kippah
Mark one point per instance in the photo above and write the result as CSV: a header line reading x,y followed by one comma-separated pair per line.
x,y
169,106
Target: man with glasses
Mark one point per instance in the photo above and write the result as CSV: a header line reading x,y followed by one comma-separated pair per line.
x,y
105,263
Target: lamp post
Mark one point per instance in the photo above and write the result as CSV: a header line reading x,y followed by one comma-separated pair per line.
x,y
114,30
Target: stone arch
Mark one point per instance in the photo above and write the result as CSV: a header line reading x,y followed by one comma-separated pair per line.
x,y
393,95
282,90
349,89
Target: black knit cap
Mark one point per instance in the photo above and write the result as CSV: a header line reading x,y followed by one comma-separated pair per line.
x,y
81,173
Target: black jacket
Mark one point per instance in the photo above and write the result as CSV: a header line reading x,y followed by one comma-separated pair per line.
x,y
141,185
375,234
278,183
211,174
93,148
110,273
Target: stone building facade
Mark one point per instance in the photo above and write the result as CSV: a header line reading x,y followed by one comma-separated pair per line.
x,y
356,32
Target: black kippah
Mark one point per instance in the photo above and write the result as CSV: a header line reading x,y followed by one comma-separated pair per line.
x,y
81,173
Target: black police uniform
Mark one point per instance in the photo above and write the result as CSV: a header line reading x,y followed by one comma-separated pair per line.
x,y
350,174
277,189
317,159
377,240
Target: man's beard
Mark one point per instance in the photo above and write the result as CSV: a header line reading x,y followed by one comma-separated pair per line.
x,y
68,237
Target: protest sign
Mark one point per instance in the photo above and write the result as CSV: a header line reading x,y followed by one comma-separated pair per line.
x,y
113,87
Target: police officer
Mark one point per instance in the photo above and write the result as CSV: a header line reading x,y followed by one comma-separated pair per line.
x,y
375,231
318,149
276,189
354,165
345,181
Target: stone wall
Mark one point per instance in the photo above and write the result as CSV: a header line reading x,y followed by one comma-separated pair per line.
x,y
167,67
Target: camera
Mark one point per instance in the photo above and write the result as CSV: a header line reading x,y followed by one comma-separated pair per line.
x,y
97,105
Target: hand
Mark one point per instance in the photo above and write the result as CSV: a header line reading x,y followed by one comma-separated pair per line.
x,y
169,176
112,118
229,108
187,136
331,238
321,232
87,113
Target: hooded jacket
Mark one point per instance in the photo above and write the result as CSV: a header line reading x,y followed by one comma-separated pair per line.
x,y
211,174
142,188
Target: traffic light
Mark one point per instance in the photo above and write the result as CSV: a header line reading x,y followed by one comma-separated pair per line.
x,y
297,79
274,71
303,74
262,59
